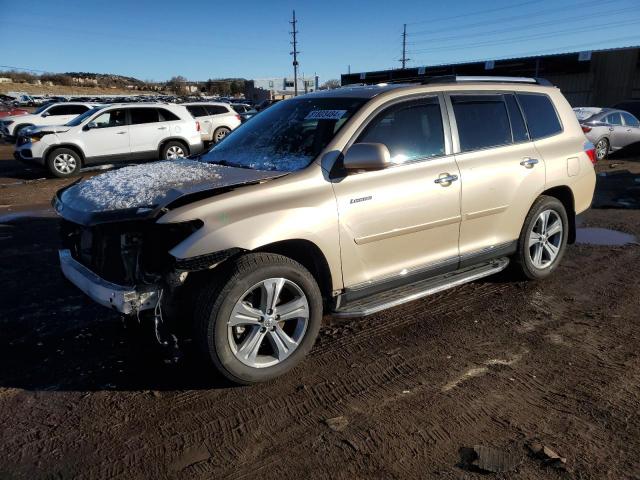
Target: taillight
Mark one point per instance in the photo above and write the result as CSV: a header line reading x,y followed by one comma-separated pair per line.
x,y
197,125
238,117
585,129
590,150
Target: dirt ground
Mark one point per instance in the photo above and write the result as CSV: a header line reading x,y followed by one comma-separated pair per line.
x,y
398,395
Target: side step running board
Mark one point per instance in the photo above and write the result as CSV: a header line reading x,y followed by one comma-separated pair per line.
x,y
414,291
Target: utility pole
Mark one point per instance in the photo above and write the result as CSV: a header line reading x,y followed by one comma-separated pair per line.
x,y
404,58
295,53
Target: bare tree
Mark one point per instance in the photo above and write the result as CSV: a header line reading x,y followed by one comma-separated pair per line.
x,y
330,84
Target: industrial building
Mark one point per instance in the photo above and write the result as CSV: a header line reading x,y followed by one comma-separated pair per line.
x,y
589,78
278,88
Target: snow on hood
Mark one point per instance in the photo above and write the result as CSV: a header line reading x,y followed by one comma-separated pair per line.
x,y
153,184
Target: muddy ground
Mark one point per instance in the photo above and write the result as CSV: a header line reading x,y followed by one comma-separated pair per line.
x,y
497,363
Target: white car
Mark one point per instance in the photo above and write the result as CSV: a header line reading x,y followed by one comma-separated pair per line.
x,y
216,119
49,114
112,133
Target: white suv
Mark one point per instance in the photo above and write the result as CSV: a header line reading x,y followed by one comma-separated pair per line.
x,y
49,114
216,119
112,133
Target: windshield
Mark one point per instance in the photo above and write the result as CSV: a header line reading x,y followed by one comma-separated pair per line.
x,y
287,136
81,118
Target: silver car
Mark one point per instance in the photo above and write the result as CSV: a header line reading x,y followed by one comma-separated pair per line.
x,y
608,129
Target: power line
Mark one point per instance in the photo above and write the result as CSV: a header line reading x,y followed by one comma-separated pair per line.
x,y
295,53
558,21
527,37
480,12
527,16
562,50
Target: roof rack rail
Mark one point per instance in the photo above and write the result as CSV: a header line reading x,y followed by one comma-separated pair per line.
x,y
488,79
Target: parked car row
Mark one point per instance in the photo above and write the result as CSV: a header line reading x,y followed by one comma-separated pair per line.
x,y
609,129
64,137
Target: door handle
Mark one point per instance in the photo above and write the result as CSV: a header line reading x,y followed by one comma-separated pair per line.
x,y
529,162
611,129
445,179
162,128
121,133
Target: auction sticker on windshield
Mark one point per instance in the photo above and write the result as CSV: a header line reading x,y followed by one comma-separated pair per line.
x,y
325,114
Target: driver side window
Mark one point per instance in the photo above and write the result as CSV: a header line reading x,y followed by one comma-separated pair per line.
x,y
411,131
112,118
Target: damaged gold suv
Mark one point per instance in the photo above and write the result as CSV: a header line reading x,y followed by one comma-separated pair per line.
x,y
343,202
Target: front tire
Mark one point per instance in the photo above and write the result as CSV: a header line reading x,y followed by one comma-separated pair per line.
x,y
259,317
543,239
63,163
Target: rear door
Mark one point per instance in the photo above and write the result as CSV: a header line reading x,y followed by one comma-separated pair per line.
x,y
146,131
501,172
616,130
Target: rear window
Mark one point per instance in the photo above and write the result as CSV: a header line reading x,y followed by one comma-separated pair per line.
x,y
614,119
540,114
482,121
144,115
216,109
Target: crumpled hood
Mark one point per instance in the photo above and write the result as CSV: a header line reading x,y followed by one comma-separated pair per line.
x,y
141,191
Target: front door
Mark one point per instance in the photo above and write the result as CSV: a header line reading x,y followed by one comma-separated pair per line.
x,y
404,219
501,172
106,137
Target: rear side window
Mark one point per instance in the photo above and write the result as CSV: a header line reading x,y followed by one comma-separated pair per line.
x,y
166,115
144,115
216,109
482,121
518,127
540,114
197,110
614,119
410,131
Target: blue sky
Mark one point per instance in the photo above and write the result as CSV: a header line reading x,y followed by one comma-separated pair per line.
x,y
156,40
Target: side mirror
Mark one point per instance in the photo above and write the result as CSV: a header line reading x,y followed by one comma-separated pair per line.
x,y
367,156
45,114
91,125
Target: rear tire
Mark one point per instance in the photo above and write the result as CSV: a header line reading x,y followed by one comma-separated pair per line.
x,y
63,163
220,133
242,329
174,150
543,239
602,149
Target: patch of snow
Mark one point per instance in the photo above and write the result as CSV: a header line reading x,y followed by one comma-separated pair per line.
x,y
582,113
137,186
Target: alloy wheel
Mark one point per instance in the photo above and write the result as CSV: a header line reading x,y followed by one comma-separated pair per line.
x,y
545,239
64,163
174,151
602,148
268,323
220,134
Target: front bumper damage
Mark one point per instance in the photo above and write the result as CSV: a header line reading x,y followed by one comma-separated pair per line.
x,y
124,299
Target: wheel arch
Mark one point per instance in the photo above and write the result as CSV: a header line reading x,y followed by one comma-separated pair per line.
x,y
69,146
162,144
565,195
309,255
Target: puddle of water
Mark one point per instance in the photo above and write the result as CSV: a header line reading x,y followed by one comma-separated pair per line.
x,y
604,236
